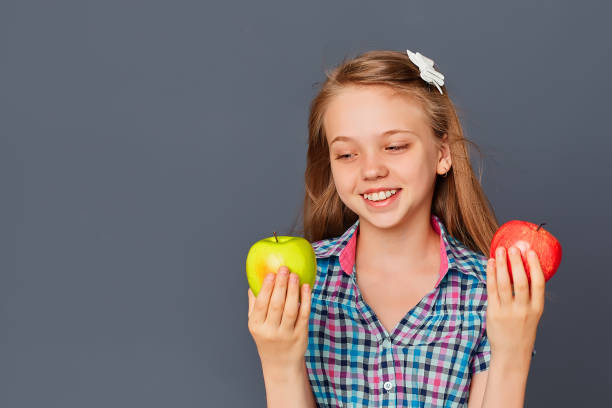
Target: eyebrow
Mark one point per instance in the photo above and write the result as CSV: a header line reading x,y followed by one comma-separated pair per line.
x,y
384,134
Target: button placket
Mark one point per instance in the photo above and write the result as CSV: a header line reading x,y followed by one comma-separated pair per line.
x,y
387,356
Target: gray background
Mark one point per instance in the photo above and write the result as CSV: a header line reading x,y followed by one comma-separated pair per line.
x,y
145,145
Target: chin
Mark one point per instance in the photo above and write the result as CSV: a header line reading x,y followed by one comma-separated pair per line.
x,y
382,221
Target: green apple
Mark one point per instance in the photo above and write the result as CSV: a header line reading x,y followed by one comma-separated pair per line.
x,y
269,254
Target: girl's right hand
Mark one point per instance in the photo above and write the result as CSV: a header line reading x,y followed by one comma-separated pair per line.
x,y
514,309
278,322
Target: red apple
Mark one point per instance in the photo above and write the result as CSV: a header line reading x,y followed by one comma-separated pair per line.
x,y
525,235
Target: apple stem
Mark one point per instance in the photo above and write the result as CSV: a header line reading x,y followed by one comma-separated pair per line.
x,y
275,236
540,226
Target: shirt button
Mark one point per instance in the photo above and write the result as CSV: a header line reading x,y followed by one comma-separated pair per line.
x,y
388,385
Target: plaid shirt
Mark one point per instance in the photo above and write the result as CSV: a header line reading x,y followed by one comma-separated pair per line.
x,y
433,351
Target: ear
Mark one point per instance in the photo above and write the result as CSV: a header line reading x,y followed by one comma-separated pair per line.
x,y
444,156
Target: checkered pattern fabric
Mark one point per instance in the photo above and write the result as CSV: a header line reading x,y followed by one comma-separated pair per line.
x,y
430,356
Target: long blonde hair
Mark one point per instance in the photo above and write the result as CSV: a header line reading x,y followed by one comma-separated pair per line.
x,y
458,199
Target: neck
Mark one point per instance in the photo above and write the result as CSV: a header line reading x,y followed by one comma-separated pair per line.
x,y
410,247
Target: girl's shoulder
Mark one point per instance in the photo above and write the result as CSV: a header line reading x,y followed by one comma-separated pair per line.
x,y
326,247
467,260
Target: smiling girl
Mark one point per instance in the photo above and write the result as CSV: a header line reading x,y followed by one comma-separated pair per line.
x,y
407,310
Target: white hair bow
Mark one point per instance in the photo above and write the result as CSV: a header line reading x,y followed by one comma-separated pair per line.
x,y
428,73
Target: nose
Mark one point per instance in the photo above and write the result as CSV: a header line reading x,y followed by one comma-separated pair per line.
x,y
373,167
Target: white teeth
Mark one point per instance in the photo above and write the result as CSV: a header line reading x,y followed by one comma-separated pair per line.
x,y
381,195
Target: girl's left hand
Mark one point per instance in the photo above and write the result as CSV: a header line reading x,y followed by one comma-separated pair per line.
x,y
512,319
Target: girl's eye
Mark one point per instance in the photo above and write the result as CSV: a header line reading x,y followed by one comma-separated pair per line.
x,y
402,147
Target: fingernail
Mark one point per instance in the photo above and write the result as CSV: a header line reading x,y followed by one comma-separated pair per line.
x,y
283,271
513,250
500,251
269,277
294,278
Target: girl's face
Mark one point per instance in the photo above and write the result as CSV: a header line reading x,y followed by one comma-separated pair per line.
x,y
364,154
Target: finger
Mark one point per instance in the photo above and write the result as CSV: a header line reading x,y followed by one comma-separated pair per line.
x,y
538,282
277,300
291,303
503,280
492,295
260,307
521,286
250,294
301,325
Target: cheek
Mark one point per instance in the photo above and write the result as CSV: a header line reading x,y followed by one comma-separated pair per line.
x,y
415,176
344,189
345,185
341,181
408,171
338,173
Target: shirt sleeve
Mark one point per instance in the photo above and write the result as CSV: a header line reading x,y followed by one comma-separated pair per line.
x,y
482,355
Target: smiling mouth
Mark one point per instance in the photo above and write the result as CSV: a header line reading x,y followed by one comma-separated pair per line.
x,y
397,190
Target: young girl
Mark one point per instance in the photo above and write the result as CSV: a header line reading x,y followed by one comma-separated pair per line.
x,y
400,227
